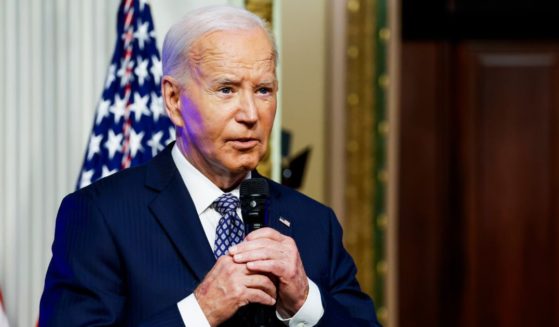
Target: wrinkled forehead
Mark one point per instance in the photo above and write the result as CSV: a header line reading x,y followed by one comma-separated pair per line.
x,y
233,47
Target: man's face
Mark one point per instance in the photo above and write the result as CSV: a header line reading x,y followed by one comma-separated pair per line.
x,y
228,103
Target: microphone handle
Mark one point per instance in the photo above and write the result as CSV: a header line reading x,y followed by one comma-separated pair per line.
x,y
257,315
254,213
250,227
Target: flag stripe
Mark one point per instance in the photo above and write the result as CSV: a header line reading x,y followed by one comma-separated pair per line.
x,y
126,159
3,317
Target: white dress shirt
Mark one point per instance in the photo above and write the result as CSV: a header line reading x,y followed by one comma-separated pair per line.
x,y
203,193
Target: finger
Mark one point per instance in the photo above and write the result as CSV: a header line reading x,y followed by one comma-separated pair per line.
x,y
254,295
265,232
263,253
262,282
262,242
225,265
238,274
275,267
286,271
224,260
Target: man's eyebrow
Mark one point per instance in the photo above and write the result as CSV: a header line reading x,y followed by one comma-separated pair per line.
x,y
225,80
267,82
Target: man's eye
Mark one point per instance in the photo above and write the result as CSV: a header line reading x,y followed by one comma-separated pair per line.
x,y
264,90
226,90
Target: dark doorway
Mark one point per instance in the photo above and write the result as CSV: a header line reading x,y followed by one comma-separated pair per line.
x,y
479,164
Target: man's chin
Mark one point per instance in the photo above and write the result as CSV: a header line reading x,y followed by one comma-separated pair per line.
x,y
242,165
245,168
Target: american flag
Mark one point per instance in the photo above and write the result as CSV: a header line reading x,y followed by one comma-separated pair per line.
x,y
130,125
3,318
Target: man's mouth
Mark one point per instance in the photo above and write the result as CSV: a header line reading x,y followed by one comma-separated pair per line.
x,y
243,143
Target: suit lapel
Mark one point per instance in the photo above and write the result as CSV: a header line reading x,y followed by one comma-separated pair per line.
x,y
276,220
176,213
174,210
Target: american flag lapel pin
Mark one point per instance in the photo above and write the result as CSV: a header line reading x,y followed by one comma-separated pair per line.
x,y
285,222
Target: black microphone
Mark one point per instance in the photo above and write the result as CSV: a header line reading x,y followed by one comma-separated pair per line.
x,y
254,195
254,203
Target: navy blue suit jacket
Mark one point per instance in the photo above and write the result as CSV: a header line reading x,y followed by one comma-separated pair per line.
x,y
128,248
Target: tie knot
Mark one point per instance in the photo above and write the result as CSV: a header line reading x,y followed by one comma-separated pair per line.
x,y
226,203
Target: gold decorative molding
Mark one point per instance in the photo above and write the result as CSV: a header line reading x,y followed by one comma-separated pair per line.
x,y
367,129
262,8
360,137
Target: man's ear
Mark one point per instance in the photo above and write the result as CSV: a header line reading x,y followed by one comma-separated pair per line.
x,y
171,97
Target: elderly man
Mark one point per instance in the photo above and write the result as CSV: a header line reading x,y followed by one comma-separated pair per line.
x,y
140,247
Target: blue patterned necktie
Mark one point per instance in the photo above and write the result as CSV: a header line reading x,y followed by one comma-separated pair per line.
x,y
230,229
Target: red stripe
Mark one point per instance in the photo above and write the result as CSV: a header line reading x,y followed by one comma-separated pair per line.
x,y
128,5
129,37
128,20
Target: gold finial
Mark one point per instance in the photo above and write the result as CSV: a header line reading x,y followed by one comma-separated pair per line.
x,y
262,8
384,34
383,127
382,314
352,146
383,176
384,81
382,221
353,99
382,267
353,52
353,5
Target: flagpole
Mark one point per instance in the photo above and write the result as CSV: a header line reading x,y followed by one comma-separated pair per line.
x,y
276,130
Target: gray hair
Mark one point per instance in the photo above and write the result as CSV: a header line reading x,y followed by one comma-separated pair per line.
x,y
182,35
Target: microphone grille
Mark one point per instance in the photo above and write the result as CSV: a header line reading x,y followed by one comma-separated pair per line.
x,y
254,186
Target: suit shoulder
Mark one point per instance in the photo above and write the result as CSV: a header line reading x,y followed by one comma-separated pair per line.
x,y
296,198
116,185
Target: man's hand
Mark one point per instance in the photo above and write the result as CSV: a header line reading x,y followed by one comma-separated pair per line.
x,y
229,286
268,251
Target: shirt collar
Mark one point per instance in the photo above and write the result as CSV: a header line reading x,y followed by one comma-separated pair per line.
x,y
202,191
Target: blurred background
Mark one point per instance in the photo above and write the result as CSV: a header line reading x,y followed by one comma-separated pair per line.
x,y
429,126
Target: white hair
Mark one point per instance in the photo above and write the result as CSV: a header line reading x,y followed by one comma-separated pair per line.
x,y
182,35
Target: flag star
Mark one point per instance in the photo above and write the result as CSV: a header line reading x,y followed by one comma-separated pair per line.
x,y
156,106
94,145
156,69
141,33
113,144
110,76
141,71
140,106
171,135
118,109
142,4
107,172
155,143
123,74
86,177
102,111
136,142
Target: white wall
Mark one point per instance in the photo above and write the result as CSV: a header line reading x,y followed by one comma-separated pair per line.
x,y
304,85
53,58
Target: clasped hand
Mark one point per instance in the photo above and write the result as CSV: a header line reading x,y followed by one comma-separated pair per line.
x,y
264,268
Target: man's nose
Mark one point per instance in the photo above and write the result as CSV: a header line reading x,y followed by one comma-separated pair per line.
x,y
248,112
